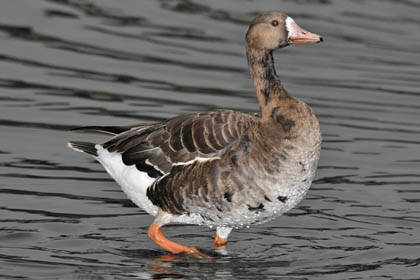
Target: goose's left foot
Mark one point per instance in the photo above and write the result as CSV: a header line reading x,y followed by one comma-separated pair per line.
x,y
219,241
222,234
155,233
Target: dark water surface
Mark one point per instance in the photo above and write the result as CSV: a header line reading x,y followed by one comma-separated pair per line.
x,y
66,63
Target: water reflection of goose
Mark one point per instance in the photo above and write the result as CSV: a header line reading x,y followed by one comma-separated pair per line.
x,y
224,169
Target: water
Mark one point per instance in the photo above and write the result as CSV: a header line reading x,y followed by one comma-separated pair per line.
x,y
66,63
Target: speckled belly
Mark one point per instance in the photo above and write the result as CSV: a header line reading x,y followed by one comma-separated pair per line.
x,y
260,201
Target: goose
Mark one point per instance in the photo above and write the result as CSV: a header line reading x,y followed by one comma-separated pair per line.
x,y
223,169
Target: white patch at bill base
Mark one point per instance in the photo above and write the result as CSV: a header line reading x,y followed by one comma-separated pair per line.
x,y
289,22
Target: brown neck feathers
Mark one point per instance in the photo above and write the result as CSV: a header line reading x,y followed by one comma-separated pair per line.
x,y
266,82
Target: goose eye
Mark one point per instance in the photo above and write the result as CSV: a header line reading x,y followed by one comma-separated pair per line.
x,y
274,23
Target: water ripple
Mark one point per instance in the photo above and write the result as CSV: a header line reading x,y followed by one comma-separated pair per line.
x,y
65,63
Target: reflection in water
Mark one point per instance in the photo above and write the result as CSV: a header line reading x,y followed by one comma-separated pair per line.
x,y
168,266
76,62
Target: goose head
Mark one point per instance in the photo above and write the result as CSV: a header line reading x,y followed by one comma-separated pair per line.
x,y
273,30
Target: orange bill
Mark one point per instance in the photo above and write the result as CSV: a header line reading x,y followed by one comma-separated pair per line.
x,y
298,35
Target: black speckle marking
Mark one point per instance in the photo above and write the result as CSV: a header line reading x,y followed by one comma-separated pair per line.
x,y
260,207
268,169
244,144
285,123
218,208
206,218
274,112
228,196
275,162
283,156
304,180
267,94
303,166
267,64
282,198
267,198
234,160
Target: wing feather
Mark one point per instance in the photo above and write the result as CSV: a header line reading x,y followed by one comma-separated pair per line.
x,y
167,151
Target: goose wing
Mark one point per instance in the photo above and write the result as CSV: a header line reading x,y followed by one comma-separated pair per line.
x,y
156,148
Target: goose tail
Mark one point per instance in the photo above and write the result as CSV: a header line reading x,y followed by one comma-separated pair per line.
x,y
83,147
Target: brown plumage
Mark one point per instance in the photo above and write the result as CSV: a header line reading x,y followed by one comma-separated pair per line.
x,y
222,168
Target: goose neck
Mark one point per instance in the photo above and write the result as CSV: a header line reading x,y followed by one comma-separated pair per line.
x,y
266,82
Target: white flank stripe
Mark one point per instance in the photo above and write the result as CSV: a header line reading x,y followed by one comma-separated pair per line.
x,y
199,159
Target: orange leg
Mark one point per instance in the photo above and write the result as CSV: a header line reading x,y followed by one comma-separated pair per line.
x,y
155,233
222,234
220,242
